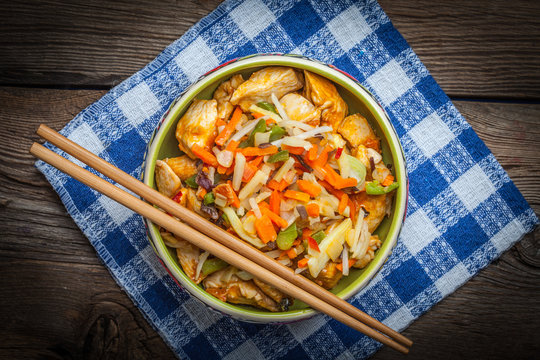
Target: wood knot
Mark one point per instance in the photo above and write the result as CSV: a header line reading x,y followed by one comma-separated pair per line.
x,y
102,339
529,248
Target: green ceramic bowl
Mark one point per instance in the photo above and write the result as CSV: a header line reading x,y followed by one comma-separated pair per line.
x,y
164,144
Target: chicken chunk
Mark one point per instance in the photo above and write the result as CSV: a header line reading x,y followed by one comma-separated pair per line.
x,y
261,84
282,299
299,108
193,202
376,205
188,255
357,131
226,286
182,166
323,94
223,96
328,277
197,126
167,181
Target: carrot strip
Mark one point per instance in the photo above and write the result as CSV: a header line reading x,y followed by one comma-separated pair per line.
x,y
232,145
307,186
352,212
322,158
275,201
312,210
297,195
229,171
291,253
306,232
257,115
220,122
337,193
293,149
201,192
336,180
235,201
302,263
265,229
343,202
313,244
340,265
206,156
313,152
279,186
388,180
221,169
270,121
230,127
276,219
255,151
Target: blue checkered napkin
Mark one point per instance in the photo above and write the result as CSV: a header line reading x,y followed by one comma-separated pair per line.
x,y
464,211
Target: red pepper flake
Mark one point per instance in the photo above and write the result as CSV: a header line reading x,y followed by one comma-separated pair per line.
x,y
177,197
313,244
338,153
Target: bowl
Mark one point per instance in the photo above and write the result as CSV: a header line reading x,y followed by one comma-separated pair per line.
x,y
164,144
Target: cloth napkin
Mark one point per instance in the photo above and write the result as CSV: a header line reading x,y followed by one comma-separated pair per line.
x,y
464,211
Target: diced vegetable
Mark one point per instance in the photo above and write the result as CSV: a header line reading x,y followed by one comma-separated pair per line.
x,y
357,168
307,186
297,195
236,224
277,133
258,179
287,165
340,266
203,154
256,109
190,181
262,138
255,151
212,265
343,202
388,180
279,107
265,229
267,106
286,237
335,238
312,210
227,191
239,168
230,128
293,141
319,236
374,188
279,186
313,244
209,198
336,180
302,263
260,127
178,197
313,152
275,200
338,153
275,218
293,150
278,157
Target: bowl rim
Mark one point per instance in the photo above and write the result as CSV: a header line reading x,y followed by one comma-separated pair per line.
x,y
328,71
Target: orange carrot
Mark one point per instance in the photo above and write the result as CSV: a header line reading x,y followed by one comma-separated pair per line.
x,y
257,115
220,122
206,156
302,263
275,201
306,232
265,229
270,121
388,180
291,253
230,127
201,192
336,180
232,145
276,219
297,195
235,201
352,212
313,152
331,189
279,186
340,265
256,162
373,143
307,186
343,202
229,171
255,151
221,169
293,149
322,158
312,210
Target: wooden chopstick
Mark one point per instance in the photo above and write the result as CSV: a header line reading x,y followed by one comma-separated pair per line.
x,y
213,231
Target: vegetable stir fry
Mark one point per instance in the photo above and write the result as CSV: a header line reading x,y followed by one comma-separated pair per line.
x,y
275,160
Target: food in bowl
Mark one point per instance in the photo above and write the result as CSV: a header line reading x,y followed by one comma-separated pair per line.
x,y
277,160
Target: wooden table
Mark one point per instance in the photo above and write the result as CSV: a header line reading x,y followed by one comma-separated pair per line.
x,y
58,301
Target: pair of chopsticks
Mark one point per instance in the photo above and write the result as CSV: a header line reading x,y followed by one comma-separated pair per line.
x,y
209,237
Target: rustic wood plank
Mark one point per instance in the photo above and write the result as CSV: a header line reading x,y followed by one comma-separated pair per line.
x,y
58,300
481,49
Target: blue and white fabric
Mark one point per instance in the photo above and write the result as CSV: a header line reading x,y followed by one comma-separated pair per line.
x,y
464,211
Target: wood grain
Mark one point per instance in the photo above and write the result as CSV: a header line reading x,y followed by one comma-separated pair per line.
x,y
59,302
474,49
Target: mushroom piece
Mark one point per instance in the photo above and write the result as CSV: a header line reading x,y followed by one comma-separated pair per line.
x,y
261,84
325,96
197,126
